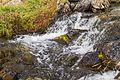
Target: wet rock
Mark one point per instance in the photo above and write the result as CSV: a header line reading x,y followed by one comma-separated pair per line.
x,y
100,4
110,29
114,1
16,62
62,7
27,58
8,76
117,76
92,61
89,59
113,49
71,35
73,1
83,5
111,35
29,78
64,39
88,5
67,59
1,55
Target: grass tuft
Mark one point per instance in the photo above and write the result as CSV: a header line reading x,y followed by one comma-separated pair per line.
x,y
30,16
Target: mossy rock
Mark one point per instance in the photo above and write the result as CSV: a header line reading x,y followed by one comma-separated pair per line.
x,y
68,37
27,58
6,76
10,51
63,39
17,59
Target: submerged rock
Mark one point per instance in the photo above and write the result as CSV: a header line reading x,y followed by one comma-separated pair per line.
x,y
71,35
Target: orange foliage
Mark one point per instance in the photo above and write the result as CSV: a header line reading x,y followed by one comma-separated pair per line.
x,y
44,18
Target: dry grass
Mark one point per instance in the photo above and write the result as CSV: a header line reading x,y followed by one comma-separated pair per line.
x,y
31,16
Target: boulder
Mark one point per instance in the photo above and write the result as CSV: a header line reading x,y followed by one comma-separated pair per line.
x,y
88,5
27,58
83,5
100,4
93,62
67,59
72,1
16,61
71,35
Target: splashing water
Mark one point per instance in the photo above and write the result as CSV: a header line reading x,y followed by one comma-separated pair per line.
x,y
105,76
46,49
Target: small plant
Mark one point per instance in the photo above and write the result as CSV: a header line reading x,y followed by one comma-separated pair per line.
x,y
100,55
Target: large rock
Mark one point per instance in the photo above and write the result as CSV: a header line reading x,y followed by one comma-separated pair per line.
x,y
100,4
15,59
88,5
92,61
69,37
83,5
67,59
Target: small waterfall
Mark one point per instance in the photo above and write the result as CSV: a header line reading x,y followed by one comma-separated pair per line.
x,y
83,44
47,50
75,21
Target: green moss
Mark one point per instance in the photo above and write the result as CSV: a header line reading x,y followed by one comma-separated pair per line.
x,y
24,17
63,39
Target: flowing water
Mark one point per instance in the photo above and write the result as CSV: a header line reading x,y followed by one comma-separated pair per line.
x,y
48,51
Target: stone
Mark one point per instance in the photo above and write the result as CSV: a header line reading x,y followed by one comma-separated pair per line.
x,y
15,60
27,58
112,49
67,60
72,1
18,68
100,4
115,1
5,76
63,39
29,78
1,55
117,76
83,5
71,35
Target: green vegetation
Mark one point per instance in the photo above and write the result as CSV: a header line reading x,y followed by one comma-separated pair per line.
x,y
30,16
64,39
100,55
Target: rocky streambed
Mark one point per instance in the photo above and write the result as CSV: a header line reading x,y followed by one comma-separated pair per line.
x,y
77,46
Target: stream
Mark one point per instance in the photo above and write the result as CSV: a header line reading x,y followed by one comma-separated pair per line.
x,y
49,52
